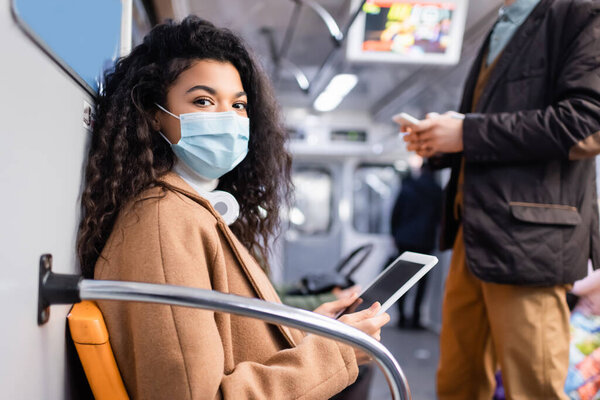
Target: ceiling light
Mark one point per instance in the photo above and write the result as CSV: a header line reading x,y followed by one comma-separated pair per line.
x,y
342,84
335,91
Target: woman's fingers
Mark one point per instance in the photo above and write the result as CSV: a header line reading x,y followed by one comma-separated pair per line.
x,y
370,323
377,335
332,308
343,302
355,317
343,293
367,320
366,313
372,326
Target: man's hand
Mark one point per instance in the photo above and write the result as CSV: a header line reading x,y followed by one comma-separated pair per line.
x,y
436,134
588,290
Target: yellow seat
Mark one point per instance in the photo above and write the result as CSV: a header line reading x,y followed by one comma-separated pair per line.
x,y
90,335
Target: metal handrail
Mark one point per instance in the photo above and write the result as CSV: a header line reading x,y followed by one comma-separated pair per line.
x,y
271,312
334,30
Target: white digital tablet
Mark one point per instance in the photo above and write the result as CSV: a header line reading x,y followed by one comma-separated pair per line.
x,y
395,280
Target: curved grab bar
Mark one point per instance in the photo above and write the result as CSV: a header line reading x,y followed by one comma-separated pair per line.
x,y
299,76
334,30
270,312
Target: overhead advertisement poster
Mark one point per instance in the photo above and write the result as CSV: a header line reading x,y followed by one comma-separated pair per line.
x,y
428,32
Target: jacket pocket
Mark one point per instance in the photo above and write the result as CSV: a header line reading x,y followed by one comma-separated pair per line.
x,y
548,214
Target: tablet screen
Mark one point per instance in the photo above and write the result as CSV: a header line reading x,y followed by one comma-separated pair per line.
x,y
395,276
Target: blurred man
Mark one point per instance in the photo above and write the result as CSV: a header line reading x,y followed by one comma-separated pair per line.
x,y
520,208
414,224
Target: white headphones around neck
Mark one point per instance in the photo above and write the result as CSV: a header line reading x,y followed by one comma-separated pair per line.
x,y
224,203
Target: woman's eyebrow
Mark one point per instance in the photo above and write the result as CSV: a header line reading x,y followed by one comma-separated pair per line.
x,y
212,91
202,87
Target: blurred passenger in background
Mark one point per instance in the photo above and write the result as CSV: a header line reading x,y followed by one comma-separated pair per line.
x,y
187,112
520,207
583,380
415,219
312,301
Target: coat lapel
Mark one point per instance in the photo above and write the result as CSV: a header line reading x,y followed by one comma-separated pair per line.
x,y
257,277
510,52
471,81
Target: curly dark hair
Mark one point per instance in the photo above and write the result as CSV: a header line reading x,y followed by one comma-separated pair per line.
x,y
127,156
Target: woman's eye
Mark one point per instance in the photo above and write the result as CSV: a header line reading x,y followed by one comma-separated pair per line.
x,y
240,106
202,102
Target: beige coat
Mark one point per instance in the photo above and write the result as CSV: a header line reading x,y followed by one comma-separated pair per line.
x,y
163,352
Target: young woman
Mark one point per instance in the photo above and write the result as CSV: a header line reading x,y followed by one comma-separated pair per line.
x,y
186,112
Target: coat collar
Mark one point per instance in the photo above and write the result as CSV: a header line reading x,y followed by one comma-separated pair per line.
x,y
511,51
258,279
518,11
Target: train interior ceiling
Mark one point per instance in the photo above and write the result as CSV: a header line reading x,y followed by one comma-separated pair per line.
x,y
295,43
348,158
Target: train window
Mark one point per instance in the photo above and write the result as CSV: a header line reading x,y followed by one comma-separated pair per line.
x,y
311,213
375,190
81,36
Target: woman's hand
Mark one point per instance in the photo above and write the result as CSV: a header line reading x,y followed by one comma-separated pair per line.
x,y
333,308
343,293
368,322
365,320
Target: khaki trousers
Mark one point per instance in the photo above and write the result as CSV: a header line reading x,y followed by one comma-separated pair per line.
x,y
523,330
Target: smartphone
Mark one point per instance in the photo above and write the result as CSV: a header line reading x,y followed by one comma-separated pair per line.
x,y
405,119
393,282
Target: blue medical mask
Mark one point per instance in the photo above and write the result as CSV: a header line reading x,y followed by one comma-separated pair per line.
x,y
212,143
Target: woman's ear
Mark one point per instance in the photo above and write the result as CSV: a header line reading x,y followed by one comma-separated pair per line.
x,y
155,122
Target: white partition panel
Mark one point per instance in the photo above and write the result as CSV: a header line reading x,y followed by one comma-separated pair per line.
x,y
43,143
